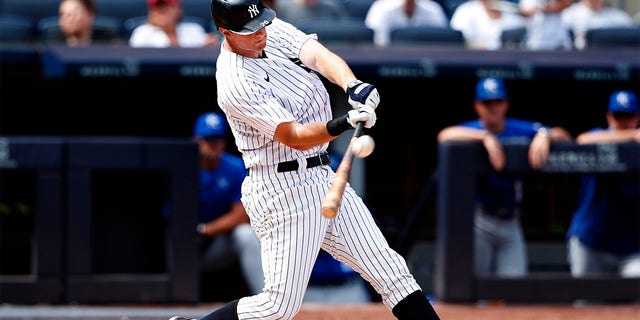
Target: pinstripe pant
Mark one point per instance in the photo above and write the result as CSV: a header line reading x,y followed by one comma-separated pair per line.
x,y
285,212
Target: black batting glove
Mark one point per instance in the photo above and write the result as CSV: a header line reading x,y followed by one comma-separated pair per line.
x,y
362,93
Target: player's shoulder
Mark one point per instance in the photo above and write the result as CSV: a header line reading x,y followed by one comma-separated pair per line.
x,y
285,39
575,9
430,5
521,127
189,26
283,33
278,24
469,5
147,35
144,29
384,5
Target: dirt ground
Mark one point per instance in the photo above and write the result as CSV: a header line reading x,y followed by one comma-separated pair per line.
x,y
477,312
311,311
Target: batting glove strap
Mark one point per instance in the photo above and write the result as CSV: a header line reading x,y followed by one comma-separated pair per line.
x,y
364,114
362,93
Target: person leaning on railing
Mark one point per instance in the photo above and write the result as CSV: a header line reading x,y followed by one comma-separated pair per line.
x,y
604,235
499,245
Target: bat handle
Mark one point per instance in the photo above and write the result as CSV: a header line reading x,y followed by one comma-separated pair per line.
x,y
359,129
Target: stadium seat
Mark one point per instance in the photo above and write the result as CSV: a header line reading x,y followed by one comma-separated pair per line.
x,y
358,9
338,30
450,6
513,38
33,9
15,28
197,8
121,9
613,37
104,28
427,35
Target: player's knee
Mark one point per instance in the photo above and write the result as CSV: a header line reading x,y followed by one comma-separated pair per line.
x,y
279,313
281,306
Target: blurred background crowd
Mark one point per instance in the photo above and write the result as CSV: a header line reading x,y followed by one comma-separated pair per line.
x,y
475,24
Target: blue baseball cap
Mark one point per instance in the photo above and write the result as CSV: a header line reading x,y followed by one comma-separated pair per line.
x,y
210,124
490,89
623,101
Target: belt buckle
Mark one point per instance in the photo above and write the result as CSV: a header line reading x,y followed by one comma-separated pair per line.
x,y
320,158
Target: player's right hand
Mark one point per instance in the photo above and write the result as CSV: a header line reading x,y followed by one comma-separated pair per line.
x,y
362,93
363,113
495,151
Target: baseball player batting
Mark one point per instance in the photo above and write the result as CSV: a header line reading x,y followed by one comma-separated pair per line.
x,y
269,87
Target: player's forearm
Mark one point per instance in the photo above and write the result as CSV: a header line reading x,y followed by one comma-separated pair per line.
x,y
609,136
227,222
303,136
460,133
558,134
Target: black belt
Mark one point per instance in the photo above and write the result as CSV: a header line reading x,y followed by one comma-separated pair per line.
x,y
500,212
321,159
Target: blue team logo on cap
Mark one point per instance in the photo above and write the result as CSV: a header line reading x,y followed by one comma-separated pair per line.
x,y
210,124
212,120
623,101
490,89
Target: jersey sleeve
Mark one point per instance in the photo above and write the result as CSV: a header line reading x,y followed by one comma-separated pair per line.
x,y
288,39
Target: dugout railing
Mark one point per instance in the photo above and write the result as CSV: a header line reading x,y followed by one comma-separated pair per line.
x,y
37,164
454,280
110,219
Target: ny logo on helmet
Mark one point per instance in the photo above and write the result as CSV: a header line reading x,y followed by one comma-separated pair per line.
x,y
253,10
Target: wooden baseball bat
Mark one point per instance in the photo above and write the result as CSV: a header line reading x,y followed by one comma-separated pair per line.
x,y
332,200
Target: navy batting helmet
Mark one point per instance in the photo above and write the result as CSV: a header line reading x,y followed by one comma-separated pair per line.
x,y
241,16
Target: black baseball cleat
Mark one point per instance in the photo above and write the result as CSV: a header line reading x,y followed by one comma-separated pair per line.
x,y
180,318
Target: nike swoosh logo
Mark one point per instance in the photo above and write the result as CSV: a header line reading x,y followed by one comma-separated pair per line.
x,y
267,77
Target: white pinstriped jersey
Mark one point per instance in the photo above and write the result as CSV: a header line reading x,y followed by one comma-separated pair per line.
x,y
258,94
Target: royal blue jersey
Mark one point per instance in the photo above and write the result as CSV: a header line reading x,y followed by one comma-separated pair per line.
x,y
608,212
220,187
494,188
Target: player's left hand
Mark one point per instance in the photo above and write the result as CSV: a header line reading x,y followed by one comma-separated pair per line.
x,y
364,114
362,93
